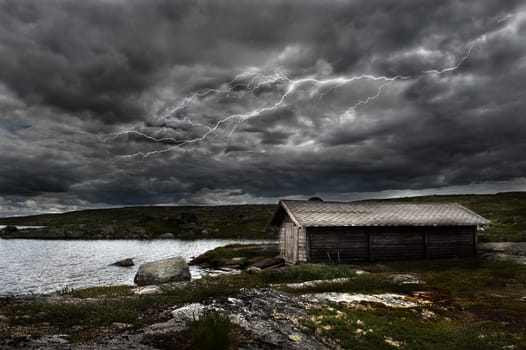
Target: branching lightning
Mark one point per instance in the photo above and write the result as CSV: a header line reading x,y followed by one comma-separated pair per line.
x,y
256,80
450,69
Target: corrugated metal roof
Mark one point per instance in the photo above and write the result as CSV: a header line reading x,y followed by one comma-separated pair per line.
x,y
314,213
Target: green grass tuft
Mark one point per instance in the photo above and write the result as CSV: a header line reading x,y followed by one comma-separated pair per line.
x,y
213,331
102,292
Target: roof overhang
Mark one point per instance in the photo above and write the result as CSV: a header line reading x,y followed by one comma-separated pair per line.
x,y
280,213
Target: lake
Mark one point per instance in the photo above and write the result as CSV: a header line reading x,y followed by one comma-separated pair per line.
x,y
43,266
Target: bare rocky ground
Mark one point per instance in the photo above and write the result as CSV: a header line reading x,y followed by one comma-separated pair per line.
x,y
501,251
267,319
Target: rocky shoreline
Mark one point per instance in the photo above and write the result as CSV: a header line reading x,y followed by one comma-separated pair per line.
x,y
241,256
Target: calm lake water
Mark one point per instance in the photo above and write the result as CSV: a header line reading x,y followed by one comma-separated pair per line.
x,y
43,266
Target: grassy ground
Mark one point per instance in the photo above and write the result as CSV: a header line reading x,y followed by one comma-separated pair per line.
x,y
475,304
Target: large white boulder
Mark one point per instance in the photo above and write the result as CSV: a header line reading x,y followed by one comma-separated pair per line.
x,y
163,271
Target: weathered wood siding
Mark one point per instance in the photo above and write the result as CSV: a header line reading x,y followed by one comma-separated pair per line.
x,y
303,250
337,244
386,243
282,244
451,241
396,242
289,241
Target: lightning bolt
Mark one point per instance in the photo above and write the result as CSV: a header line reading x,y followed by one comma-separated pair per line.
x,y
368,99
450,69
256,81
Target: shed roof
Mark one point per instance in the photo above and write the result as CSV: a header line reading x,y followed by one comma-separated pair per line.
x,y
317,213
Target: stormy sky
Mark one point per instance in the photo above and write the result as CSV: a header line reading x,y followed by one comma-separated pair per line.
x,y
114,102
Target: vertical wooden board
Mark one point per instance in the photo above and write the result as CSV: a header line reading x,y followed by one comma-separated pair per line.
x,y
282,240
302,244
283,237
291,243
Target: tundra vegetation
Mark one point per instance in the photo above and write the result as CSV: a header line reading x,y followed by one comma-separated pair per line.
x,y
462,303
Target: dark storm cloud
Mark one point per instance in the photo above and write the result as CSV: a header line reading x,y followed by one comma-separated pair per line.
x,y
101,57
74,74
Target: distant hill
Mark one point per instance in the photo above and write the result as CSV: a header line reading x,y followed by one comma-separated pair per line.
x,y
506,210
232,221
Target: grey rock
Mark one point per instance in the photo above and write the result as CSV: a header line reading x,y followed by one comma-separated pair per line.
x,y
9,229
121,325
124,262
74,234
167,235
107,230
408,278
264,263
187,218
189,312
163,271
138,231
253,270
270,319
53,339
153,289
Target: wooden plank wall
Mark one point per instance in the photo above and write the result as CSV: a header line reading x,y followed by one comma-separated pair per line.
x,y
302,245
455,241
386,243
288,242
291,243
282,244
329,243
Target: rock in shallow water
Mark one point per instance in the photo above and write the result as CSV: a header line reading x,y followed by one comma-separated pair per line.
x,y
124,262
167,235
253,270
9,229
163,271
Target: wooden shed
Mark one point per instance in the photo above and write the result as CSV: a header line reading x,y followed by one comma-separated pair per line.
x,y
345,232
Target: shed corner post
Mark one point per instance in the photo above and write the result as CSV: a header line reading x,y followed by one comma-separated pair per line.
x,y
369,246
307,245
475,241
426,244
